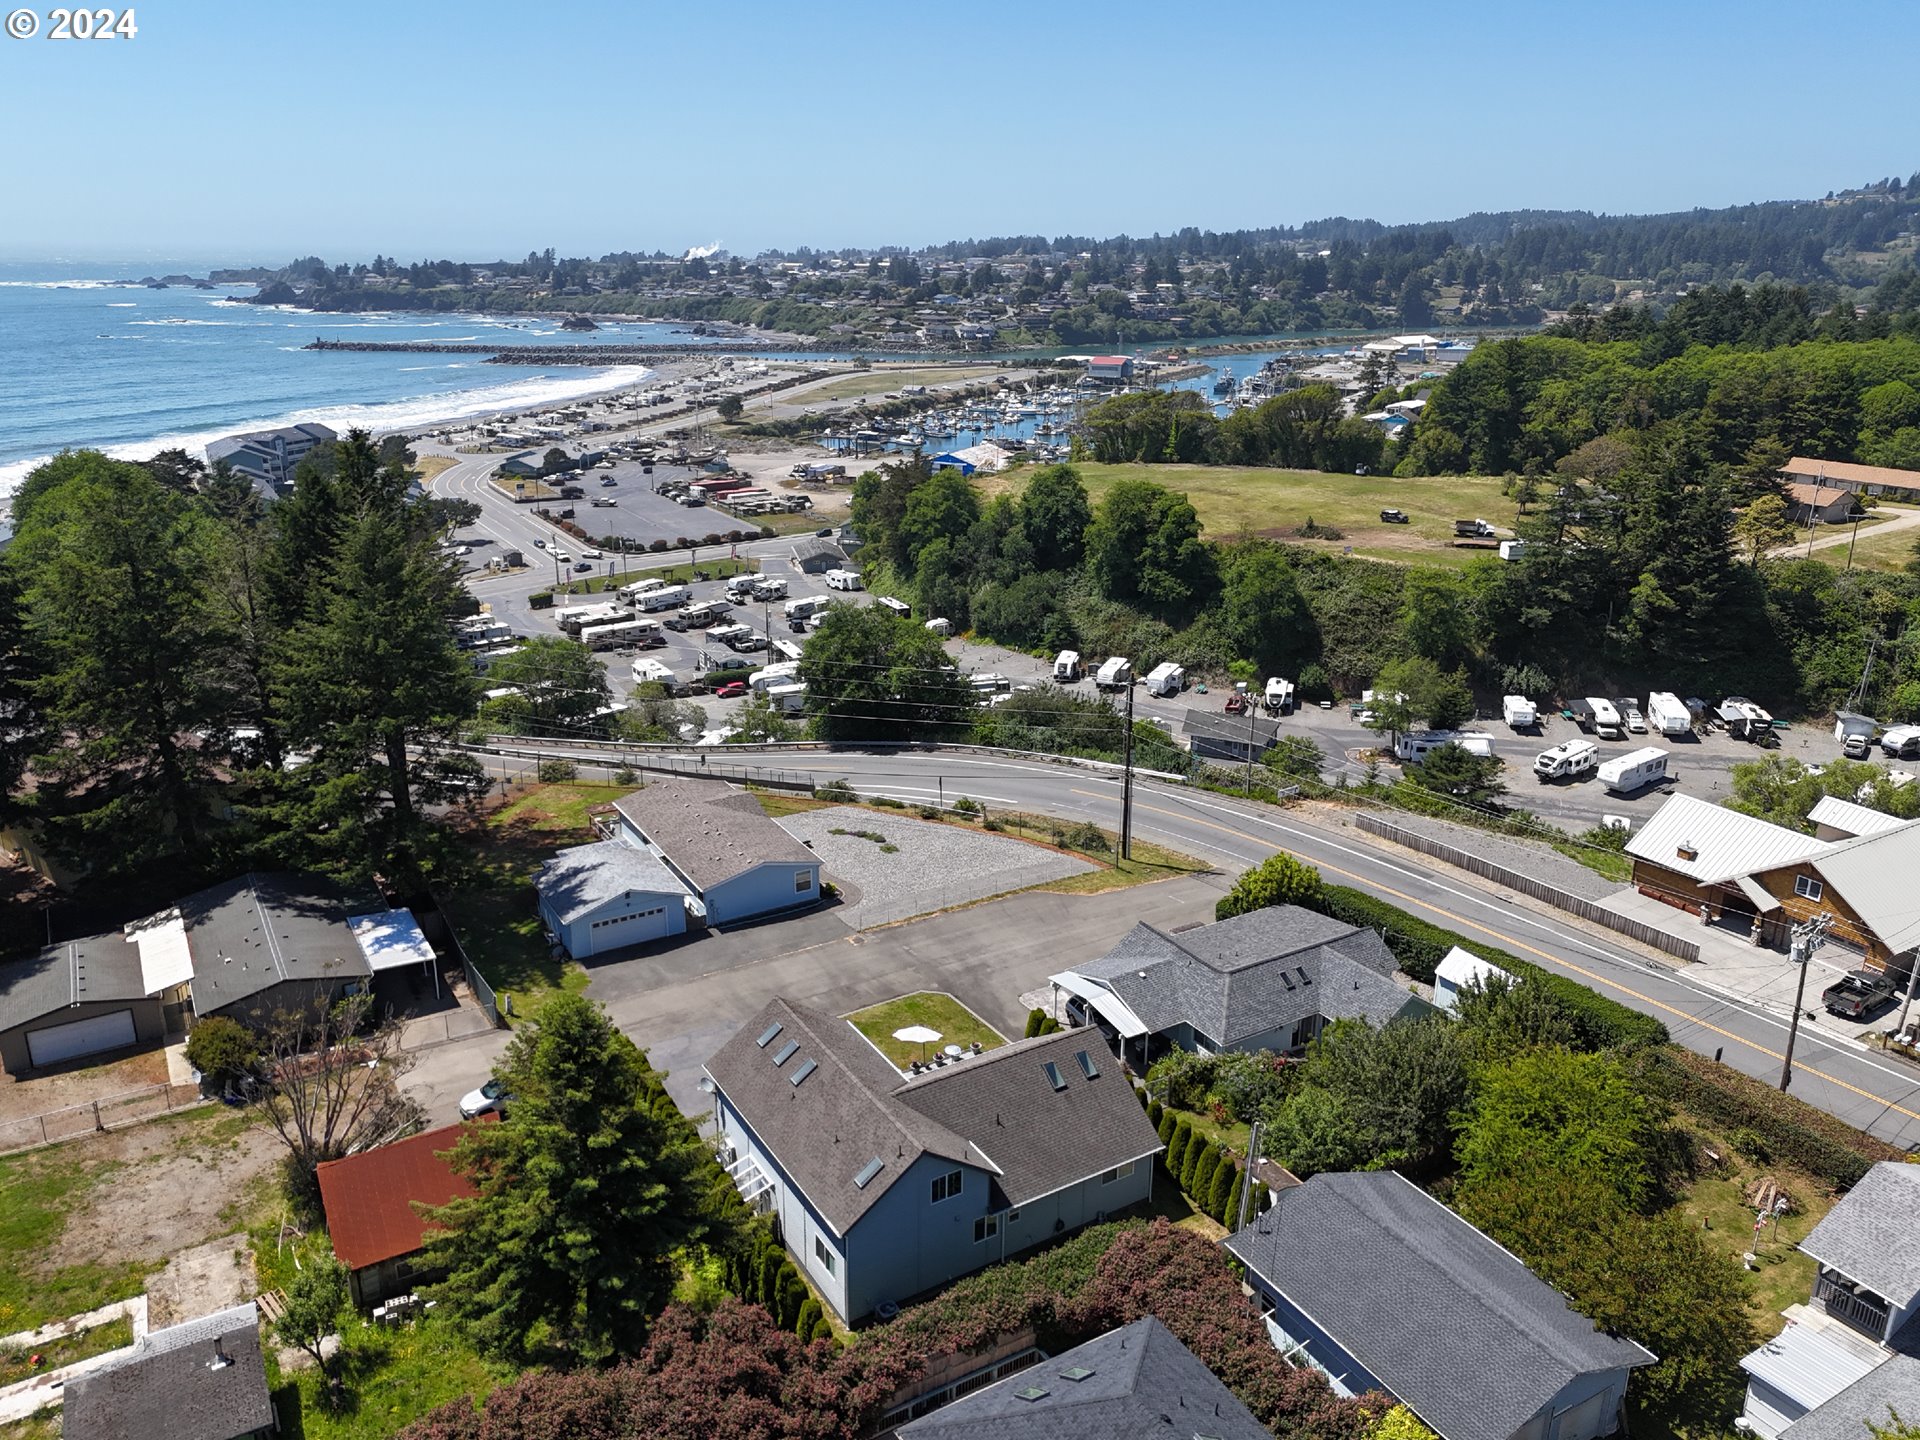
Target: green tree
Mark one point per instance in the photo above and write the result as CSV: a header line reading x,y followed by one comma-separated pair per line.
x,y
1262,610
759,721
1177,1148
222,1050
1296,757
1054,514
1203,1173
1280,879
1555,1108
654,717
1455,771
315,1299
1784,791
1764,525
940,507
1500,1018
583,1194
1436,616
1414,689
20,661
730,407
558,688
872,676
1144,548
1370,1098
111,566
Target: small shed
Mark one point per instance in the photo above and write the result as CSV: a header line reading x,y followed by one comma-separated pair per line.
x,y
1215,735
1457,970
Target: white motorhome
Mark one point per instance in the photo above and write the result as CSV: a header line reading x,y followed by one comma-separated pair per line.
x,y
844,580
1166,680
781,673
790,698
652,672
805,606
1416,745
1519,712
770,587
642,634
1066,667
668,597
1668,714
739,586
1114,674
1901,742
632,593
1607,723
1625,774
575,618
1568,760
898,608
787,651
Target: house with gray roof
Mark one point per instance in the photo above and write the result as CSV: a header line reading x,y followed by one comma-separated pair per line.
x,y
203,1379
72,1000
272,941
885,1185
269,457
733,861
609,895
1381,1287
1123,1385
1271,979
1854,1341
816,555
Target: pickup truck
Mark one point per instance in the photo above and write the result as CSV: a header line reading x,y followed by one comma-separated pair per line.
x,y
1857,994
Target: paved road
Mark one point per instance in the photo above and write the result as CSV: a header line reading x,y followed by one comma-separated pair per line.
x,y
1830,1071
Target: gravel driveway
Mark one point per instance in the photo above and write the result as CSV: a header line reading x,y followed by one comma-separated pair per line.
x,y
934,866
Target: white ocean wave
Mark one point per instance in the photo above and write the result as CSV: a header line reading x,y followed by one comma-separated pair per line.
x,y
123,304
419,412
181,320
71,284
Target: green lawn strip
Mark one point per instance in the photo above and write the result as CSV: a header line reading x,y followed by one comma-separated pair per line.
x,y
937,1011
880,382
1233,1134
1871,552
393,1376
720,569
37,1194
41,1425
16,1365
1148,863
1609,863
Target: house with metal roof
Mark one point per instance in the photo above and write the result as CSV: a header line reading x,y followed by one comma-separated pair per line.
x,y
608,895
1381,1287
1837,819
369,1199
203,1379
1849,1351
886,1185
733,861
1271,979
1123,1385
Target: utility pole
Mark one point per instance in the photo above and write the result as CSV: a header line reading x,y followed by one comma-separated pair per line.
x,y
1808,936
1913,980
1247,785
1126,783
1246,1176
1851,539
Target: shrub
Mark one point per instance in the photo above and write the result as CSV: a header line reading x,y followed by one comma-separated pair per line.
x,y
1156,1112
1750,1144
1278,880
1168,1122
993,825
658,547
222,1050
839,791
1190,1160
1087,838
887,802
965,805
1202,1187
928,812
552,772
1049,1026
1177,1148
626,775
809,1316
1220,1192
1034,1017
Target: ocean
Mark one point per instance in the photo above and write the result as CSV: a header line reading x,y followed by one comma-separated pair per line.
x,y
91,358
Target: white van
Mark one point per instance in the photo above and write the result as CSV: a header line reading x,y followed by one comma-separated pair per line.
x,y
1166,680
1625,774
1066,667
1568,760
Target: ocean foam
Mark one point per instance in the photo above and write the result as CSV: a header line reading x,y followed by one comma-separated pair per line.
x,y
417,413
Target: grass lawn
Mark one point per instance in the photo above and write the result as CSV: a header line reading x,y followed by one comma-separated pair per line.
x,y
1169,1202
1234,500
957,1025
37,1191
882,382
393,1376
67,1350
720,569
1234,1134
429,466
492,908
1889,552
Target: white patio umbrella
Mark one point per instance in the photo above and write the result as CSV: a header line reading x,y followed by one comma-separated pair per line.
x,y
919,1035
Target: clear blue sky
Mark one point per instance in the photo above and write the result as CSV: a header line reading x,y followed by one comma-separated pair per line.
x,y
426,128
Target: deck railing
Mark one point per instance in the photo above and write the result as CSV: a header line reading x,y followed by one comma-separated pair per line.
x,y
1866,1316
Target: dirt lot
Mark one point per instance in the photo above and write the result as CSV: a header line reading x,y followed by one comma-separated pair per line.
x,y
82,1084
202,1280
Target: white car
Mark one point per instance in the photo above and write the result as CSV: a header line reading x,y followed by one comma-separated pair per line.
x,y
490,1096
591,554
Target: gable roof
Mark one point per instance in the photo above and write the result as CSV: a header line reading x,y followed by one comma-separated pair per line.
x,y
709,831
580,880
1262,971
1816,495
1039,1137
76,972
1854,819
1139,1375
998,1112
1726,843
1456,1327
171,1373
1232,729
259,929
1832,470
1893,1385
825,1129
1870,1237
1875,874
369,1197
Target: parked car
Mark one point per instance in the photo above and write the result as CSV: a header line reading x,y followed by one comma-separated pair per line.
x,y
1857,747
583,565
490,1096
1857,994
608,480
540,544
1395,517
732,690
825,532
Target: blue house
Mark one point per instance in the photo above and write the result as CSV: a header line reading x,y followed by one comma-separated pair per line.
x,y
1381,1287
601,897
885,1185
734,861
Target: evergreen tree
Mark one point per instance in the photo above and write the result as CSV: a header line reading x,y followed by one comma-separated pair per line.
x,y
582,1196
1225,1179
1200,1187
1177,1148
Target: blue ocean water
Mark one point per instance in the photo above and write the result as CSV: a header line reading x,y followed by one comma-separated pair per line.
x,y
88,357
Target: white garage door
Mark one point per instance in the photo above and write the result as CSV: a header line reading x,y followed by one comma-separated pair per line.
x,y
646,920
80,1037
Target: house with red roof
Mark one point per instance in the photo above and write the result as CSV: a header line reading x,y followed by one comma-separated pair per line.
x,y
370,1200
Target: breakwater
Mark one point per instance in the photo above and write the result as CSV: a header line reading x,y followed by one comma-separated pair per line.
x,y
597,355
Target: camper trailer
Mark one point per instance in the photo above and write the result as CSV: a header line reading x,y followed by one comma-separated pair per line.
x,y
1519,712
1416,745
1667,714
1278,698
1625,774
1066,667
1569,760
1607,723
1114,674
1166,680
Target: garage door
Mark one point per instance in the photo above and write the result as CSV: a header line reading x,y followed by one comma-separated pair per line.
x,y
80,1037
632,927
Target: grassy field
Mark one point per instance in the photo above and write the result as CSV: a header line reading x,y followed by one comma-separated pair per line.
x,y
393,1376
492,909
884,382
429,466
37,1191
67,1350
937,1011
1890,552
720,569
1233,501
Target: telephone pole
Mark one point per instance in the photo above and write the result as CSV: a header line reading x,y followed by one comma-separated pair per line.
x,y
1126,783
1808,936
1246,1176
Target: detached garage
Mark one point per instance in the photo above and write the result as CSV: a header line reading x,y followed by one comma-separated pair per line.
x,y
74,1000
608,896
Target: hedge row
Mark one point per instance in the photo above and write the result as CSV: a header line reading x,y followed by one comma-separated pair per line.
x,y
1418,948
1793,1131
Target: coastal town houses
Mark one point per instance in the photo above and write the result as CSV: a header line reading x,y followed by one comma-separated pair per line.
x,y
1271,979
885,1185
1379,1286
269,457
1851,1351
1856,479
1761,879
